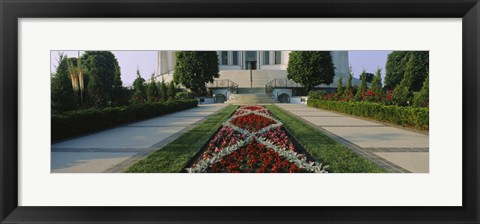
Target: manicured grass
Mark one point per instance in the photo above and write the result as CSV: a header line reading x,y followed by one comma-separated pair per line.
x,y
174,156
326,150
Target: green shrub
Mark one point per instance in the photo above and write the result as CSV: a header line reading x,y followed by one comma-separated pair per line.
x,y
185,96
79,122
363,86
420,98
404,116
315,95
401,96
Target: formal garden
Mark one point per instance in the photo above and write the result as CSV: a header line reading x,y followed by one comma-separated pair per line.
x,y
252,139
88,96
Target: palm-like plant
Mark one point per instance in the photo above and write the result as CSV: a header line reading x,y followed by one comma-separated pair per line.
x,y
80,75
76,76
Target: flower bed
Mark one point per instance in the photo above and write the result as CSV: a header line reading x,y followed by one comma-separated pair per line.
x,y
251,140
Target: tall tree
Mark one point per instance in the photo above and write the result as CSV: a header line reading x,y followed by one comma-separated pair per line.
x,y
171,90
397,64
163,91
348,89
152,90
194,69
340,88
139,92
395,68
402,94
376,86
118,95
77,77
419,69
103,73
369,77
310,68
363,85
420,98
62,93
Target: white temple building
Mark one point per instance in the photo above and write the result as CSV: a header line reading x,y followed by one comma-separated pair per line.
x,y
254,69
236,65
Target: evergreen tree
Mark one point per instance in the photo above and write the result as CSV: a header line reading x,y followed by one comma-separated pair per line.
x,y
194,69
118,93
139,94
63,96
152,90
340,88
369,77
103,73
395,68
310,68
402,94
363,86
163,91
376,86
420,98
348,89
397,65
419,69
171,90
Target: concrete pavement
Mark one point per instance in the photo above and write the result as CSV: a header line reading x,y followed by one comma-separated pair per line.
x,y
395,149
114,149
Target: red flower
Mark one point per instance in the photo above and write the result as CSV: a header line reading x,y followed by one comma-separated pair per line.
x,y
252,122
254,156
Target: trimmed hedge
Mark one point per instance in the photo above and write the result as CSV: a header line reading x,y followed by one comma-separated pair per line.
x,y
79,122
404,116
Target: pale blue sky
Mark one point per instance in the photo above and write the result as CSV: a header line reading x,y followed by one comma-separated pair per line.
x,y
147,62
368,60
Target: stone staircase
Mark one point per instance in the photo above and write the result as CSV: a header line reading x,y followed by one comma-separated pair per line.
x,y
251,90
256,98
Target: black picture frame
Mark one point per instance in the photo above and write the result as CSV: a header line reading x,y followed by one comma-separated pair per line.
x,y
11,11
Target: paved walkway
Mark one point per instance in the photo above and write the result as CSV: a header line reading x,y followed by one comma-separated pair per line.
x,y
114,149
395,149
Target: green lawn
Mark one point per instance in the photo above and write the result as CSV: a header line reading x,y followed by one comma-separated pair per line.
x,y
174,156
326,150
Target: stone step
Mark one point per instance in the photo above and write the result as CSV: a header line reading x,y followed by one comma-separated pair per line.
x,y
251,90
251,99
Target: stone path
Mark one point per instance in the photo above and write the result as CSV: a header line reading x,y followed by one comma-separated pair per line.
x,y
395,149
115,149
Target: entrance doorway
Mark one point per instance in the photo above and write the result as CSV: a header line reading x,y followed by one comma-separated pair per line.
x,y
284,98
220,98
251,60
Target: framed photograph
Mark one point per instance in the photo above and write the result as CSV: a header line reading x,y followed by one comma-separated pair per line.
x,y
247,112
